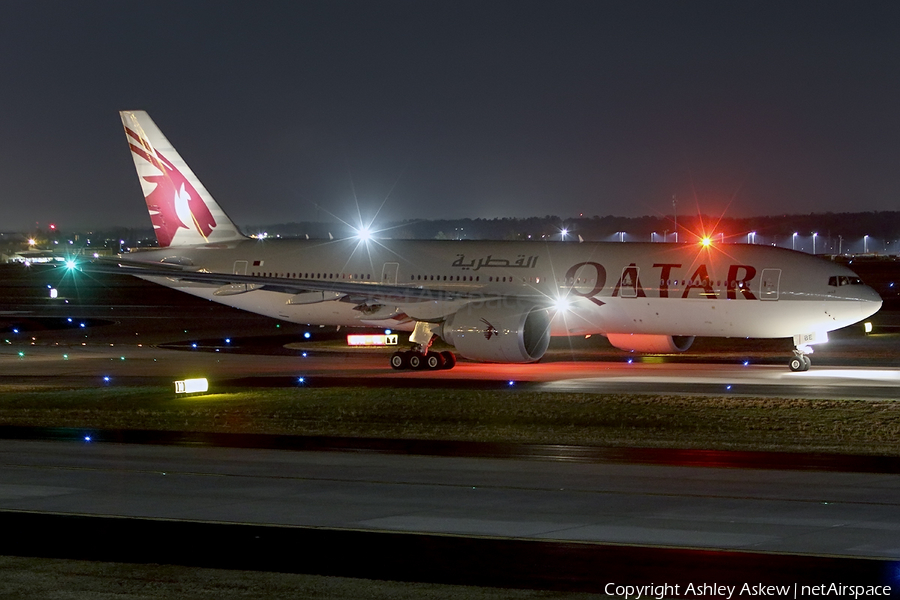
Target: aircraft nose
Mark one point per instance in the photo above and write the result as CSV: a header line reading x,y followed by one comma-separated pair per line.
x,y
870,300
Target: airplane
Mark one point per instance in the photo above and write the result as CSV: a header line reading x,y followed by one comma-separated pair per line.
x,y
493,301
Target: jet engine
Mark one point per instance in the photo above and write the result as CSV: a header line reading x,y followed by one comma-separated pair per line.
x,y
650,344
499,333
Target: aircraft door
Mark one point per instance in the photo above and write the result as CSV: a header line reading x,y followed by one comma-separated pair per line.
x,y
769,284
389,273
240,267
629,285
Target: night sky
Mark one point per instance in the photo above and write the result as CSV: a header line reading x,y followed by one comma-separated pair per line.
x,y
453,109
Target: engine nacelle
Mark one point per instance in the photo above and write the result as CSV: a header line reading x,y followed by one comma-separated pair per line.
x,y
499,333
651,344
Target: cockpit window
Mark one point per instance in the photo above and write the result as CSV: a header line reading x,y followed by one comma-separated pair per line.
x,y
841,280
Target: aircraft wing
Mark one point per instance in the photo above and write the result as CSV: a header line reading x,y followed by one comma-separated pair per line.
x,y
285,285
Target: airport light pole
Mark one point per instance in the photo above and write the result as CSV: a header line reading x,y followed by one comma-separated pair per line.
x,y
865,244
675,212
815,235
794,241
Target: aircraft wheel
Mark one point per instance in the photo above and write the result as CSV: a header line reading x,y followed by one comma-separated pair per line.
x,y
807,363
797,364
434,361
449,359
416,360
399,361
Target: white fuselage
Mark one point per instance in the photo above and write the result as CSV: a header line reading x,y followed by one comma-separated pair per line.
x,y
729,290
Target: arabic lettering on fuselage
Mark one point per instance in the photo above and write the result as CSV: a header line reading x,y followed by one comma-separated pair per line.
x,y
490,262
737,283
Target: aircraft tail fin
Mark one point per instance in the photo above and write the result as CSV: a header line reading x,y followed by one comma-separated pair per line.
x,y
182,211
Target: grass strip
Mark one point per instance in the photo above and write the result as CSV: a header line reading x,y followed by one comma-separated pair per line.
x,y
634,420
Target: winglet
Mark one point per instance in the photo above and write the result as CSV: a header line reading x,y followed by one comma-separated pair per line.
x,y
182,211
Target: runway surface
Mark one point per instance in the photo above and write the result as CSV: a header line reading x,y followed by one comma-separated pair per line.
x,y
688,507
131,364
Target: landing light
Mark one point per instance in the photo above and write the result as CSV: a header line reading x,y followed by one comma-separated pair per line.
x,y
562,305
363,234
706,241
70,264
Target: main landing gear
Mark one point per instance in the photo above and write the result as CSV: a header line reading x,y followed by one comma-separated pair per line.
x,y
801,361
431,361
421,356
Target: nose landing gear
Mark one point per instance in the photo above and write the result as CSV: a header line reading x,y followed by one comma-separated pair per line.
x,y
801,361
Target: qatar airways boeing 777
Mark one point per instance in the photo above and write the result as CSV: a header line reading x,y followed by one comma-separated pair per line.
x,y
491,301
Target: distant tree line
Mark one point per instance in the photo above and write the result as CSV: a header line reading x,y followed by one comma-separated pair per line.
x,y
883,225
837,232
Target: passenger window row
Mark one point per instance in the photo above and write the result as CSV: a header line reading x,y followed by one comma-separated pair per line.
x,y
298,275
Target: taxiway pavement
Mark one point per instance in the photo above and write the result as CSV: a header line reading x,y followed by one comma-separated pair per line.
x,y
821,513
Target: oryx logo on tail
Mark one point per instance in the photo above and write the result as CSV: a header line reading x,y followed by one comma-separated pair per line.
x,y
181,209
173,202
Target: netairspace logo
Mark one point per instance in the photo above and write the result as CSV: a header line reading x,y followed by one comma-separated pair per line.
x,y
747,590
